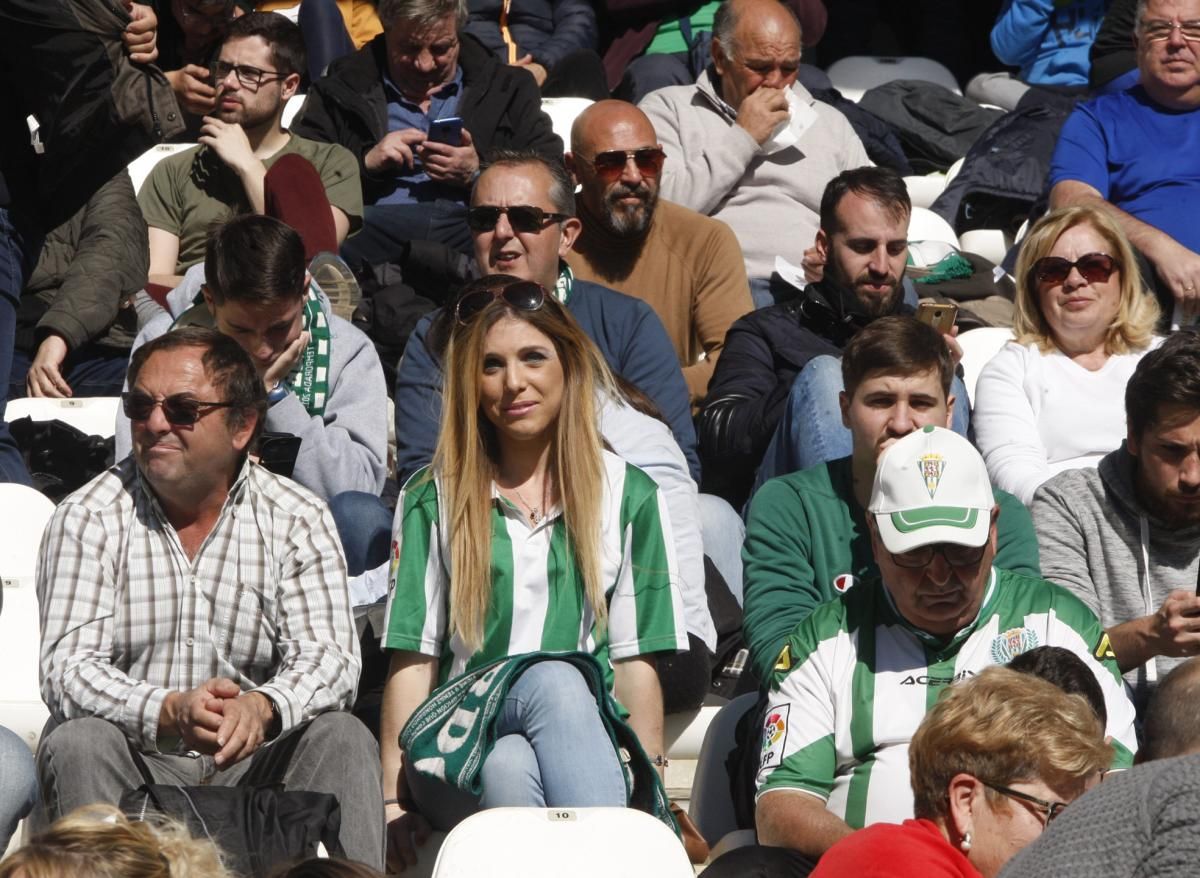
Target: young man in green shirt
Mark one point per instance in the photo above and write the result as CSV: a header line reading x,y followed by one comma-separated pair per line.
x,y
806,534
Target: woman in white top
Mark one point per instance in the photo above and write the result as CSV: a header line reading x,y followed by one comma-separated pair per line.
x,y
1054,399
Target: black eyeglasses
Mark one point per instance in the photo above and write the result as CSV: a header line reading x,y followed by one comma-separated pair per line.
x,y
178,408
1096,268
1049,810
523,295
955,555
522,217
611,163
249,77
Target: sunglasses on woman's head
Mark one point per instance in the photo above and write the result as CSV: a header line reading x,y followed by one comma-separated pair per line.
x,y
523,295
610,164
179,409
1095,267
522,217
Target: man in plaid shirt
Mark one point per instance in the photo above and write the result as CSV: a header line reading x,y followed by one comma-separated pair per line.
x,y
194,606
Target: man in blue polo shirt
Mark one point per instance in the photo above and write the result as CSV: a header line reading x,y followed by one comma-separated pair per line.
x,y
1135,152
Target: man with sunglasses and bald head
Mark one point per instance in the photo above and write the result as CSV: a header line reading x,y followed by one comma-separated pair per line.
x,y
194,609
686,266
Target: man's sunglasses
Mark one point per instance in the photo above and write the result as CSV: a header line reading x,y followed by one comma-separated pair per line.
x,y
1096,268
610,164
179,408
955,555
522,217
523,295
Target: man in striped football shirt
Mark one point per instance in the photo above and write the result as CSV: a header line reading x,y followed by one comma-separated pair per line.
x,y
856,677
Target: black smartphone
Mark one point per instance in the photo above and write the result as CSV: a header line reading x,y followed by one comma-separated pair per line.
x,y
447,130
277,452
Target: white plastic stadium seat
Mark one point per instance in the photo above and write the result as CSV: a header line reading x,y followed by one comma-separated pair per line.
x,y
95,415
991,244
562,113
711,806
856,74
553,842
923,190
23,516
139,168
979,346
294,104
925,225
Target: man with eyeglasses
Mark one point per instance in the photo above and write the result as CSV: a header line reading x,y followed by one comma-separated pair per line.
x,y
747,143
687,266
1134,153
258,68
1125,536
854,679
382,104
195,609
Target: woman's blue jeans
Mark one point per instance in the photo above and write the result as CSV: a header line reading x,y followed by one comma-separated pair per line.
x,y
551,751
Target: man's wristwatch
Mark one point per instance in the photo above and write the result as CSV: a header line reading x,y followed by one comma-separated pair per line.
x,y
276,725
276,393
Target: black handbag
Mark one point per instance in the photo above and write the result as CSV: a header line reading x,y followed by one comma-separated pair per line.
x,y
256,827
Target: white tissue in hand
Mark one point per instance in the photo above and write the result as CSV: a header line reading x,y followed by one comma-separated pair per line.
x,y
801,117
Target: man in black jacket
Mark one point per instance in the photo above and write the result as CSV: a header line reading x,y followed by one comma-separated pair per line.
x,y
773,398
380,103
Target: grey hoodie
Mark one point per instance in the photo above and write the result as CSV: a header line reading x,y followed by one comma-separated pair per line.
x,y
346,448
1098,541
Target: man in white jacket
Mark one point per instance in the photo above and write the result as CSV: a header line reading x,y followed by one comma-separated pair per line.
x,y
747,144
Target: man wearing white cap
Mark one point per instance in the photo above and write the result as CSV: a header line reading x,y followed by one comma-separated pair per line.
x,y
857,675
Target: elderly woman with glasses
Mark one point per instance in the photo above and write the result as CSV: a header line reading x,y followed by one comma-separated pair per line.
x,y
524,537
996,759
1053,399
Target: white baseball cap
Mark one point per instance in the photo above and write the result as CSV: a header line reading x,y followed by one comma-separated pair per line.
x,y
931,487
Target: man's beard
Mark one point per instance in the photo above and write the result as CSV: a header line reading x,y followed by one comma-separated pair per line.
x,y
629,221
874,305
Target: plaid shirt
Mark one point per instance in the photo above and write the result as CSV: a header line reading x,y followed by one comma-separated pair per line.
x,y
127,618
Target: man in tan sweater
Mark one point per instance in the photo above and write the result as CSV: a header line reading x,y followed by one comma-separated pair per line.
x,y
686,266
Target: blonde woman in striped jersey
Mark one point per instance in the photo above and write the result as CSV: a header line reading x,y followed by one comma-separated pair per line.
x,y
556,545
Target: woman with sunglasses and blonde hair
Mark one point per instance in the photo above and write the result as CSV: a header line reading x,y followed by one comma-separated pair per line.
x,y
1053,399
526,536
996,759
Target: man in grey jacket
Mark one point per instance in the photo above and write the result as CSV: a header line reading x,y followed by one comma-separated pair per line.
x,y
323,378
1125,537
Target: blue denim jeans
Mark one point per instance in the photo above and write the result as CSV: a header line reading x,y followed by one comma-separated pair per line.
x,y
91,371
14,265
364,524
551,750
18,784
722,532
387,229
811,430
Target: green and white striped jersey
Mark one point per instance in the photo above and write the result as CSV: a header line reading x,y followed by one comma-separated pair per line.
x,y
855,680
537,590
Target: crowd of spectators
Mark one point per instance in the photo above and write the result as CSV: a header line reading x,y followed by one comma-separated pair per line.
x,y
673,419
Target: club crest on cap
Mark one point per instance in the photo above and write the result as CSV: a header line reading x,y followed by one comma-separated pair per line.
x,y
931,466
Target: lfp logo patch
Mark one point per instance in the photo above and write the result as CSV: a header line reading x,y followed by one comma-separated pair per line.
x,y
932,466
1012,643
774,738
843,582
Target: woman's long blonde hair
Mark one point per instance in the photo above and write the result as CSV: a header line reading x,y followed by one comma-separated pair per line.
x,y
1138,312
467,456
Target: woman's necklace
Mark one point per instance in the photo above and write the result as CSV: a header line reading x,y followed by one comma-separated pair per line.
x,y
535,512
